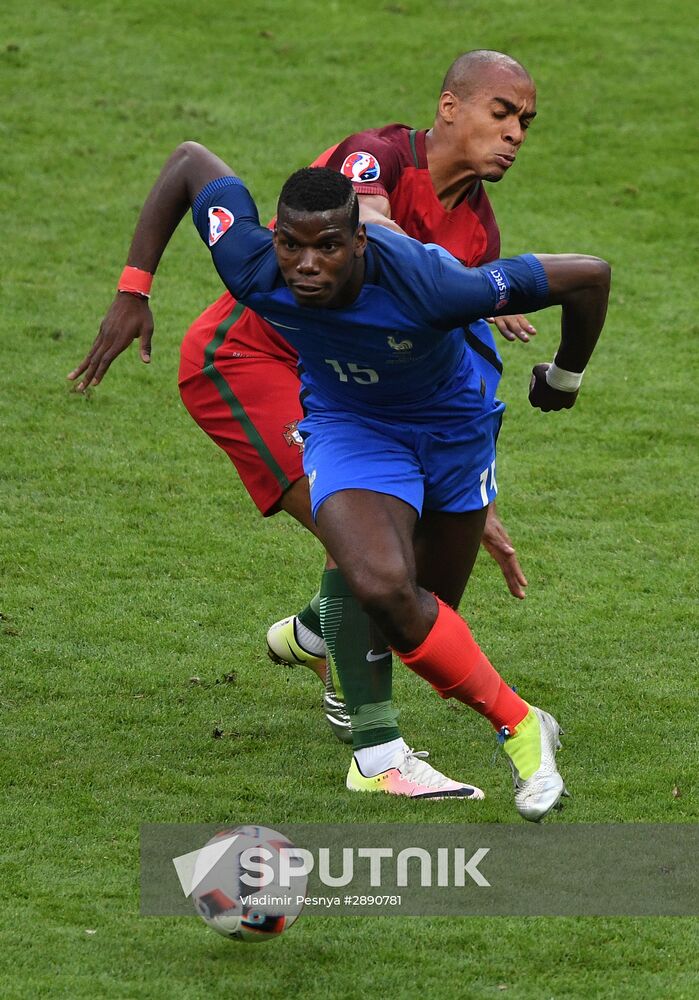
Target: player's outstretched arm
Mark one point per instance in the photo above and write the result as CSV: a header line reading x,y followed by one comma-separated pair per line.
x,y
451,294
185,173
580,284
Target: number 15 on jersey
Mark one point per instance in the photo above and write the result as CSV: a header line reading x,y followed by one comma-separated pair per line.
x,y
358,373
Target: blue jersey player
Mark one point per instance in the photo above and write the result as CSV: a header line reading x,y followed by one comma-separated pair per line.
x,y
401,423
393,394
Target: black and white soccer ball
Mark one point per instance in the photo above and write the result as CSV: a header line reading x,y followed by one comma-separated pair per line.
x,y
222,893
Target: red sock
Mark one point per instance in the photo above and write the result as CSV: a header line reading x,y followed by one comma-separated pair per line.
x,y
452,662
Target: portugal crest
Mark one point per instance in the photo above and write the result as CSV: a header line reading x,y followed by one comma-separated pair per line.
x,y
292,435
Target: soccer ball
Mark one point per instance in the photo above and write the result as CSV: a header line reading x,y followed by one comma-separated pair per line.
x,y
224,897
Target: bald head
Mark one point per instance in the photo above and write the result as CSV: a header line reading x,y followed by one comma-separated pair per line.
x,y
467,73
487,103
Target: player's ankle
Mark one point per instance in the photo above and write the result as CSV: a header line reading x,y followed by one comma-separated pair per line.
x,y
309,639
377,759
310,615
523,746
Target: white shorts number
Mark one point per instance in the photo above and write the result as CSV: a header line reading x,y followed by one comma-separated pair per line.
x,y
484,484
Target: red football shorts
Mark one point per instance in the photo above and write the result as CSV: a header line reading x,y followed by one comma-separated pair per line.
x,y
239,381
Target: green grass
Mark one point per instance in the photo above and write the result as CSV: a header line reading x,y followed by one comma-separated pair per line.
x,y
132,560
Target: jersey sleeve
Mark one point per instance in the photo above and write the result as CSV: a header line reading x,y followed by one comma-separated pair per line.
x,y
371,162
242,250
434,287
457,296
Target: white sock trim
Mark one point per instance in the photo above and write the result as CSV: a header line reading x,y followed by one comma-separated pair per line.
x,y
375,760
308,639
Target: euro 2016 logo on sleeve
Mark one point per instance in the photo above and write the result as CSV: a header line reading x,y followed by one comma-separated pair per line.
x,y
220,221
361,167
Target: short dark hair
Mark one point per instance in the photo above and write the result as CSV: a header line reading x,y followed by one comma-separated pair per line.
x,y
319,189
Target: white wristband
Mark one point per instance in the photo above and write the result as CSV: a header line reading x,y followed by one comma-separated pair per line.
x,y
559,378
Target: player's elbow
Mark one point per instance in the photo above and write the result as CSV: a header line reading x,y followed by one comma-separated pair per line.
x,y
600,273
588,276
189,151
191,167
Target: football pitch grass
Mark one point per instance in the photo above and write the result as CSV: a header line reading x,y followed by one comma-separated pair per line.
x,y
138,580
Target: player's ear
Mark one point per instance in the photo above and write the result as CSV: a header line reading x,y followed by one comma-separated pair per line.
x,y
360,240
448,104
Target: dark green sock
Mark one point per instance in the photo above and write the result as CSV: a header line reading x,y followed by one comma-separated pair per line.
x,y
310,615
366,684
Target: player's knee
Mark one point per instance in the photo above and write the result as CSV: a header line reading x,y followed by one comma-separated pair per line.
x,y
387,596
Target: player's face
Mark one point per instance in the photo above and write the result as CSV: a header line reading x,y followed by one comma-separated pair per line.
x,y
488,127
320,257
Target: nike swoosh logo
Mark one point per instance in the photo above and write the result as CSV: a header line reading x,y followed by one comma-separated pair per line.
x,y
371,656
292,654
282,325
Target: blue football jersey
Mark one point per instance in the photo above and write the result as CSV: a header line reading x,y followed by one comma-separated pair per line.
x,y
401,343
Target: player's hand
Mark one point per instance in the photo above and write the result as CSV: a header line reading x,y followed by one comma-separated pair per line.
x,y
514,327
129,318
497,543
544,397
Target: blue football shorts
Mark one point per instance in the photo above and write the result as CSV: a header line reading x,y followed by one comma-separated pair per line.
x,y
439,457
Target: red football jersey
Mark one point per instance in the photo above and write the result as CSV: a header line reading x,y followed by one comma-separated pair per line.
x,y
392,162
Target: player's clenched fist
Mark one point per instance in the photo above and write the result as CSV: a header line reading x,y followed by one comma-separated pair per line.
x,y
544,397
